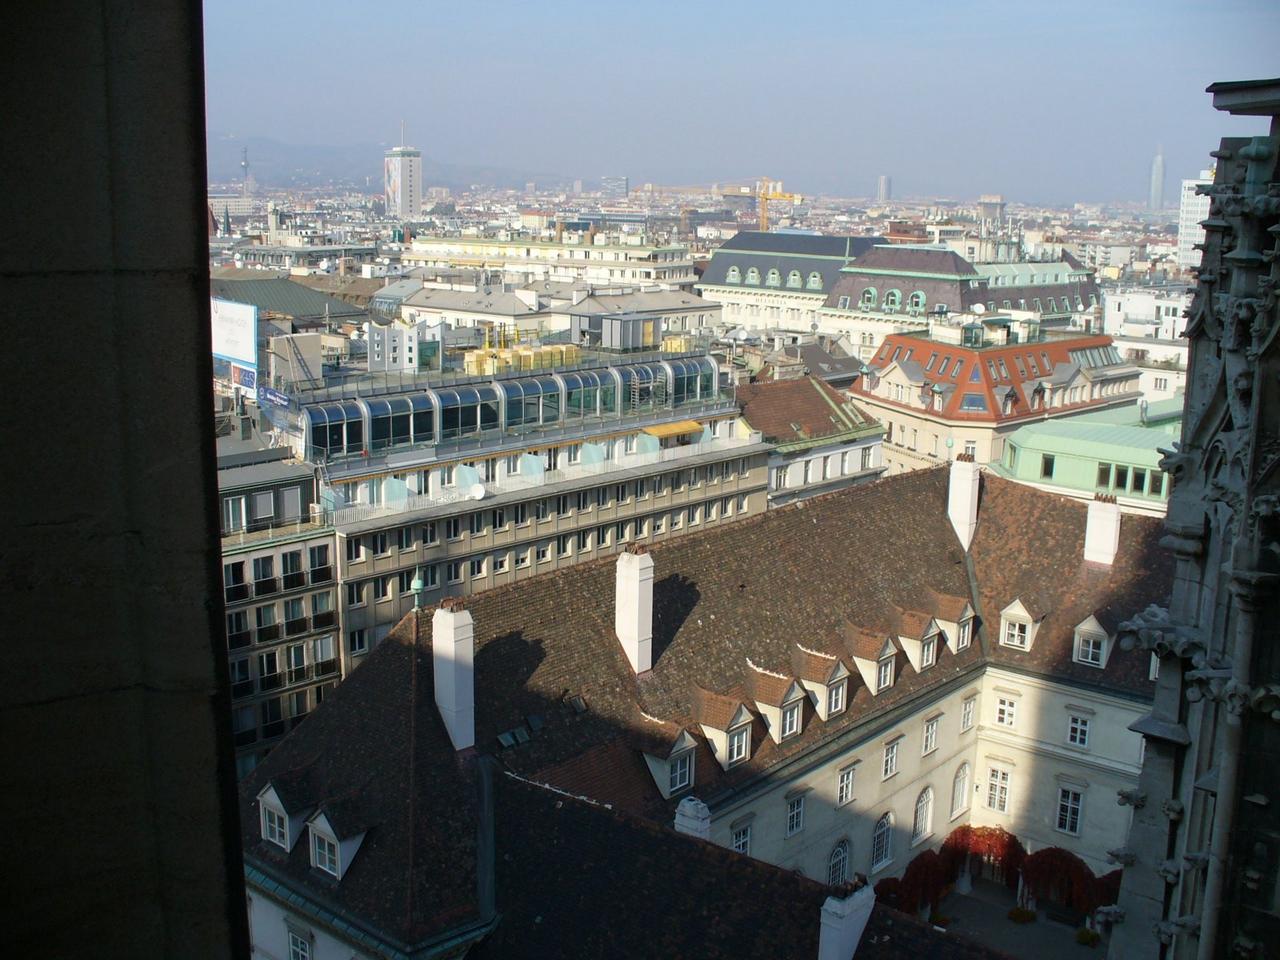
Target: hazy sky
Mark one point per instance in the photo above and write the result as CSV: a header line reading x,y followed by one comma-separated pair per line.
x,y
1040,101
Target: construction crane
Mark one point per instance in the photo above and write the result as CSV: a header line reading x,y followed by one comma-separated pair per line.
x,y
764,190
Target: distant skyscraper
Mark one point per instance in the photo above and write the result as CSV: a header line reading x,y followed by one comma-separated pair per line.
x,y
616,187
884,188
1155,196
1191,210
402,180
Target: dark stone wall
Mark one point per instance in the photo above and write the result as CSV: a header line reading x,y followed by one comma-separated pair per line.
x,y
118,780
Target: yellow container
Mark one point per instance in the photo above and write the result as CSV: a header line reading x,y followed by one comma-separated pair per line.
x,y
571,354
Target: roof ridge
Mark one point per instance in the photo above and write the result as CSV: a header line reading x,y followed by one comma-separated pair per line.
x,y
817,653
770,673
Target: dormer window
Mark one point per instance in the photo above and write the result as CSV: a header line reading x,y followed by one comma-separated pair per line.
x,y
1015,634
680,772
835,697
963,634
791,719
739,744
884,674
1090,648
275,826
324,852
929,651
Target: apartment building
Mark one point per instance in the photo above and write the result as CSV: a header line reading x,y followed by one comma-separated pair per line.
x,y
835,688
475,482
821,440
595,259
964,386
777,279
280,592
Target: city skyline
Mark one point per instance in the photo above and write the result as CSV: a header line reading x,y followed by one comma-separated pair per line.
x,y
1035,139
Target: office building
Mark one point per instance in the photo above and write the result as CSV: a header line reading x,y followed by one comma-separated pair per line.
x,y
402,182
884,188
1200,871
615,188
1155,189
963,387
1193,209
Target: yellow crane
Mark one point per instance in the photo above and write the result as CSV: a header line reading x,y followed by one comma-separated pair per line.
x,y
767,190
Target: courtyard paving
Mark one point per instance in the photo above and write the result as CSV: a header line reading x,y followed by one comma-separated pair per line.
x,y
982,916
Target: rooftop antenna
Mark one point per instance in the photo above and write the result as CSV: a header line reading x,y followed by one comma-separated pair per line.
x,y
244,170
402,133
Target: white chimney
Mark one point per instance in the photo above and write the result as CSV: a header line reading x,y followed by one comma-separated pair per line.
x,y
843,922
694,818
453,657
633,607
1102,530
962,498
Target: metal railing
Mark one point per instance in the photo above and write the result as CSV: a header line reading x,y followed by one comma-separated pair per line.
x,y
513,483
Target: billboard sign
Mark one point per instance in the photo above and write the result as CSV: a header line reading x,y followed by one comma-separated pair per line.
x,y
244,377
235,331
269,397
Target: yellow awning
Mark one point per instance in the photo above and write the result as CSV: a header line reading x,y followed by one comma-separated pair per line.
x,y
680,428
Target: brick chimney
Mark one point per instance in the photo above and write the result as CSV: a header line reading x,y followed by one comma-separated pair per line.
x,y
633,607
453,659
843,922
1102,530
962,498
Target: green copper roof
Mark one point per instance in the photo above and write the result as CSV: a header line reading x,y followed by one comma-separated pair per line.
x,y
1091,439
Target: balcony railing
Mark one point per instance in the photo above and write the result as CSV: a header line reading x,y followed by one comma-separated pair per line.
x,y
266,587
322,619
238,639
242,689
268,633
294,627
321,575
326,667
270,681
532,485
237,591
294,580
273,729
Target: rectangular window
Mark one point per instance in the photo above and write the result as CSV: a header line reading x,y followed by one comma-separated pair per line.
x,y
1078,731
1120,477
357,641
998,790
1157,483
404,538
453,528
1046,466
431,576
1069,804
355,594
429,532
584,540
1089,649
962,638
453,571
499,563
499,518
324,853
742,839
790,720
524,558
562,545
929,652
1006,712
930,743
739,744
835,697
680,771
540,510
299,947
844,787
404,582
543,552
522,514
889,764
584,500
968,709
380,543
795,815
318,556
562,504
476,522
381,588
1104,475
476,567
884,674
971,448
355,549
1015,634
275,828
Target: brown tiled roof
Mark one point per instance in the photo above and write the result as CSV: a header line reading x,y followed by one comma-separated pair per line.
x,y
767,687
911,623
815,665
946,607
1050,568
376,759
863,643
786,411
713,709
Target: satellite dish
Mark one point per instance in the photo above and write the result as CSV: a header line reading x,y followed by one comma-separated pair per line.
x,y
476,491
979,309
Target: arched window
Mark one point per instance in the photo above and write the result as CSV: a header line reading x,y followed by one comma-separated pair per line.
x,y
734,275
794,280
960,789
922,826
753,276
869,297
916,300
814,282
893,300
882,842
838,864
774,279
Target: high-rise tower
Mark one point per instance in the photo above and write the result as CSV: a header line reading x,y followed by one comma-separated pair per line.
x,y
402,180
1192,209
1155,195
884,188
